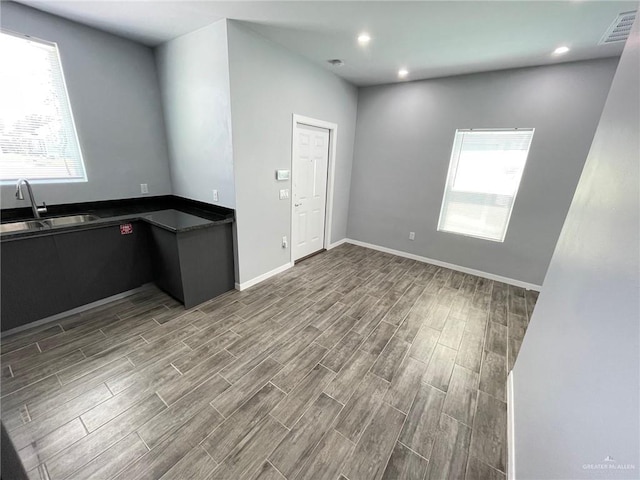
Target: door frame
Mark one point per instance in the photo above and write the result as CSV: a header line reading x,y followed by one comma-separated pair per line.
x,y
333,142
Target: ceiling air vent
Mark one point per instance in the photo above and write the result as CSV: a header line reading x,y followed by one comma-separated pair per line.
x,y
619,30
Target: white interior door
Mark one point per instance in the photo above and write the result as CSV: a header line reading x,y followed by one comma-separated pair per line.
x,y
310,164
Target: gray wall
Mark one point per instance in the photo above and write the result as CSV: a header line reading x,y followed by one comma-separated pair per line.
x,y
268,85
404,137
576,380
115,97
194,77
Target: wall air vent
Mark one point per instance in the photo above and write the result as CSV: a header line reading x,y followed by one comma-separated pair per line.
x,y
619,30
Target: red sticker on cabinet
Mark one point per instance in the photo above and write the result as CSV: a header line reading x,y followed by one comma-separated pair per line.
x,y
126,229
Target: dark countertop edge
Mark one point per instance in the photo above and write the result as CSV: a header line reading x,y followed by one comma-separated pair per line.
x,y
107,222
126,206
214,215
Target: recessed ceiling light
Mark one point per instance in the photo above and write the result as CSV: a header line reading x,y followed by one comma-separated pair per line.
x,y
561,50
364,38
403,72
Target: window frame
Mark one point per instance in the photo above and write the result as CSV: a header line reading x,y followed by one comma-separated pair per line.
x,y
41,181
455,155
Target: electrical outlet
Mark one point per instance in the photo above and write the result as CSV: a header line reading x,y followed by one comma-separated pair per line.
x,y
215,196
285,244
412,235
144,188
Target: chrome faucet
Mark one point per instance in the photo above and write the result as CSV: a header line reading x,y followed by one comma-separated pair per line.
x,y
20,196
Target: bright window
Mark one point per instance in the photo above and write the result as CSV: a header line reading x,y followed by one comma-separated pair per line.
x,y
484,175
38,139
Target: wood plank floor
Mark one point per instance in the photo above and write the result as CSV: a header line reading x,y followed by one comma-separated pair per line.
x,y
355,364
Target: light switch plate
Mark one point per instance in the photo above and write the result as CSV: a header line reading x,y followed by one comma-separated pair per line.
x,y
282,175
284,194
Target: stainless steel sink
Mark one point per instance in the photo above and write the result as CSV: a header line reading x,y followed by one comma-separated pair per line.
x,y
69,220
46,223
21,226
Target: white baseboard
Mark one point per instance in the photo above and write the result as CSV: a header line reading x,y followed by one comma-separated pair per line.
x,y
80,309
337,244
511,448
263,277
471,271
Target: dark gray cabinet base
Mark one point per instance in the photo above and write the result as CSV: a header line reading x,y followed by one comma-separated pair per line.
x,y
193,266
45,275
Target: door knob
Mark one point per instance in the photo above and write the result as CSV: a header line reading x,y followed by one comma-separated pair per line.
x,y
297,204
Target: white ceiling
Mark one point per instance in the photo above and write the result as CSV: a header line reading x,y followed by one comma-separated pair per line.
x,y
430,39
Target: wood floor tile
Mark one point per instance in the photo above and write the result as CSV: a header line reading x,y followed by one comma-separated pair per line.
x,y
424,344
496,339
513,347
351,374
326,460
89,447
29,433
460,402
437,317
342,351
450,451
292,346
479,470
195,464
405,465
408,360
194,357
489,437
399,311
415,318
46,447
112,460
181,411
517,326
93,363
170,392
369,458
361,407
477,322
247,457
378,339
452,332
159,460
405,384
162,346
299,367
17,341
300,398
51,399
420,429
21,379
245,388
470,351
493,376
296,447
390,358
440,366
333,334
267,472
235,428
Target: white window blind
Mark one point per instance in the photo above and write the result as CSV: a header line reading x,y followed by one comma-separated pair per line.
x,y
38,140
484,175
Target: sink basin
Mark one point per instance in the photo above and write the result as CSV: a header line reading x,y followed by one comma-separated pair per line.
x,y
21,226
69,220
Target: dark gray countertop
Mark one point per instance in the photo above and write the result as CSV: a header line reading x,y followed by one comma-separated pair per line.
x,y
178,221
172,220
